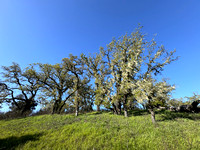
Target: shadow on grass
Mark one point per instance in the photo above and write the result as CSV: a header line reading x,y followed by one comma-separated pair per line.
x,y
95,113
13,142
138,112
130,113
167,115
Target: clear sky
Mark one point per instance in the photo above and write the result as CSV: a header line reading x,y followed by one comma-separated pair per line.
x,y
48,30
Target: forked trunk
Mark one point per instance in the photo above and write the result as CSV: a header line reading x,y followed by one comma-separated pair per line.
x,y
114,109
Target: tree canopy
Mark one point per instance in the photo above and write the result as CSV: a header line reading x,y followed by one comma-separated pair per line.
x,y
117,78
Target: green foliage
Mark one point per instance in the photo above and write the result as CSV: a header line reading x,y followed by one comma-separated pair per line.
x,y
20,88
193,98
183,101
55,81
60,82
156,93
132,63
175,102
102,131
123,73
97,70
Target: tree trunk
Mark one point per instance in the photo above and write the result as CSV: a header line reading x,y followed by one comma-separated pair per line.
x,y
125,112
77,108
98,108
76,113
26,109
55,107
90,107
119,108
125,107
114,109
152,115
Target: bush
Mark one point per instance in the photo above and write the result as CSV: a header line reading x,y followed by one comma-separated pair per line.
x,y
42,112
14,114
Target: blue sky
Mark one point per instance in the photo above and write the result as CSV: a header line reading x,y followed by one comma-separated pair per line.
x,y
48,30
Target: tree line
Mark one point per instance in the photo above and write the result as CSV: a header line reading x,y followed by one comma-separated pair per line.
x,y
116,78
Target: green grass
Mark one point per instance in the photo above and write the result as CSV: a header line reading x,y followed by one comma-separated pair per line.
x,y
95,131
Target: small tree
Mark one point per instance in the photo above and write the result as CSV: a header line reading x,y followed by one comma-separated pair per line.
x,y
175,103
155,93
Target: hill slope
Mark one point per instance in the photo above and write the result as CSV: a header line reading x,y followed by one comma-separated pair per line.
x,y
102,131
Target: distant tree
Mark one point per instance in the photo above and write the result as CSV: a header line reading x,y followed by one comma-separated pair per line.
x,y
3,92
20,88
187,100
175,102
190,104
193,98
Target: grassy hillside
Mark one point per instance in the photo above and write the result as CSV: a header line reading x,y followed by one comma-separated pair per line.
x,y
102,131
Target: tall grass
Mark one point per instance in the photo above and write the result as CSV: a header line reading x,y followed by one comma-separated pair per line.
x,y
102,131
